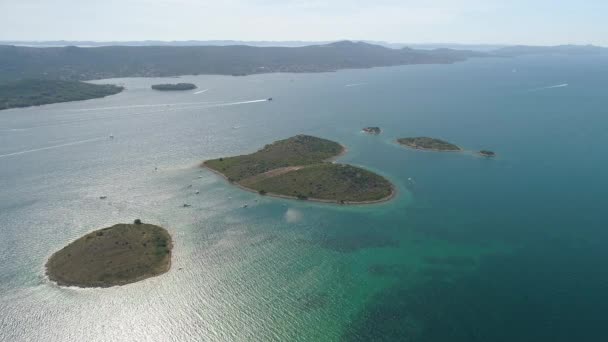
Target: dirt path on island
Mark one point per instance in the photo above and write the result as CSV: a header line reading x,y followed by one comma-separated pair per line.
x,y
270,174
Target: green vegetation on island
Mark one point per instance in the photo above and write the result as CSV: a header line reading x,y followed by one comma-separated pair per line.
x,y
487,153
26,93
327,181
118,255
372,130
178,86
426,143
296,151
298,167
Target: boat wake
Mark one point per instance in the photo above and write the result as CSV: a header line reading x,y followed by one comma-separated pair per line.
x,y
201,91
13,130
172,106
51,147
355,84
144,106
551,87
236,103
163,109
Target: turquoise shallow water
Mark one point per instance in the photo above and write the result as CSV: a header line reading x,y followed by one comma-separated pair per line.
x,y
472,249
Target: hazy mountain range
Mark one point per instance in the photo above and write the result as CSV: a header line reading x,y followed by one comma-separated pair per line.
x,y
153,58
77,63
293,43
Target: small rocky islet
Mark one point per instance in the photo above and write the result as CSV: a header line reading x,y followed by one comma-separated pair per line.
x,y
429,144
117,255
486,153
372,130
437,145
174,87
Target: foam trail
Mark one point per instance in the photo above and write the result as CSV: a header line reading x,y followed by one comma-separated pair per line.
x,y
13,130
237,103
50,147
201,91
143,106
207,105
551,87
355,84
163,110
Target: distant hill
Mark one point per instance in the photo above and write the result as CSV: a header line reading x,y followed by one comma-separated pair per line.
x,y
260,43
76,63
90,43
520,50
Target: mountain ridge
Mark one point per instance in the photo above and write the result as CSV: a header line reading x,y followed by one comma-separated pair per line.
x,y
79,63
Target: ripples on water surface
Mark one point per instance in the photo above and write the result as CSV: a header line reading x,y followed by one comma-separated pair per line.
x,y
510,249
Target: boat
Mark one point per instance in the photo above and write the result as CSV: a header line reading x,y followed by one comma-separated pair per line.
x,y
245,206
270,99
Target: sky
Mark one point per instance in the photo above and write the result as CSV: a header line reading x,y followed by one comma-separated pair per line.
x,y
535,22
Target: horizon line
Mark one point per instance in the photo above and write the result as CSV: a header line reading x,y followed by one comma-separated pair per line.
x,y
311,42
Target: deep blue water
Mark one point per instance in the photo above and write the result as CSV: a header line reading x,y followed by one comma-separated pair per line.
x,y
472,249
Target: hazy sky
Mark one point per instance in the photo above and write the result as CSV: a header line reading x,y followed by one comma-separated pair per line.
x,y
411,21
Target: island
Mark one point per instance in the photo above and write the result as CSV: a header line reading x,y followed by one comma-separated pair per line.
x,y
301,167
372,130
117,255
429,144
486,153
36,92
172,87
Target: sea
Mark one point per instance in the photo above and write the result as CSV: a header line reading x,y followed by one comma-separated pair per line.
x,y
510,248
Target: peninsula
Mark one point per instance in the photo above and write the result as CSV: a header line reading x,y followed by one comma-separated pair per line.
x,y
117,255
429,144
36,92
177,86
372,130
300,168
